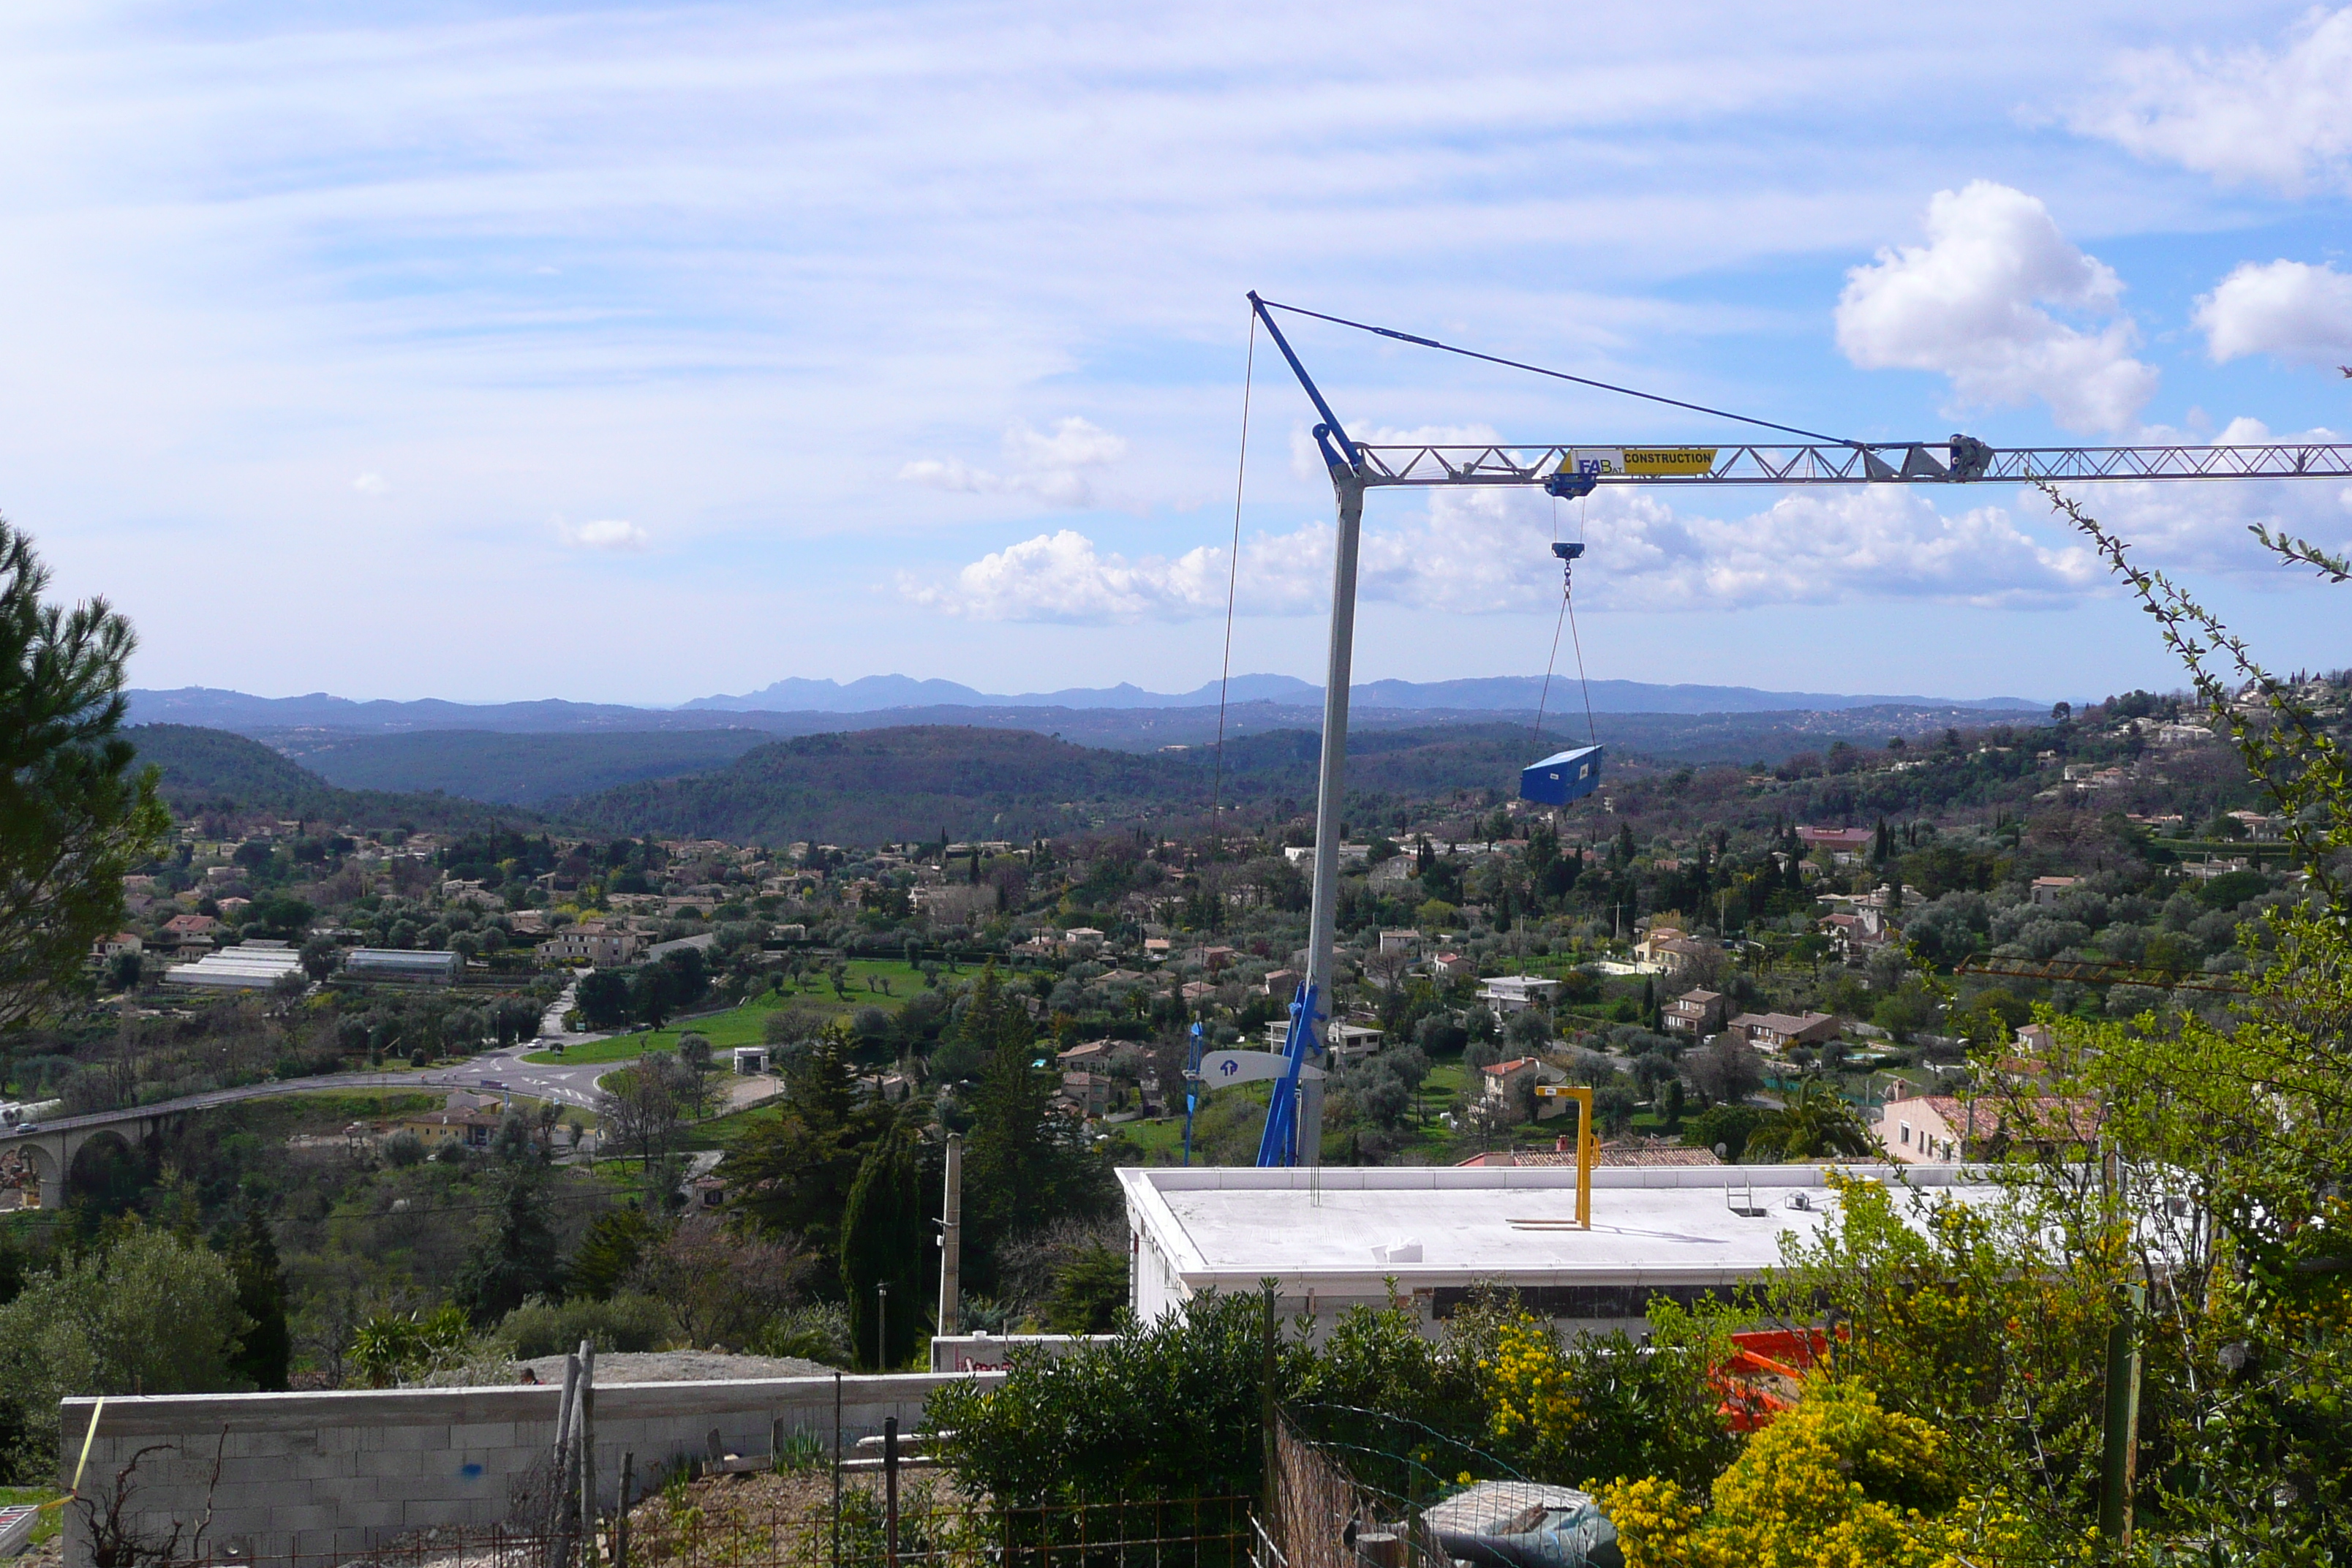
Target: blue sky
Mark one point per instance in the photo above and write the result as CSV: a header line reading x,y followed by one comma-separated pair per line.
x,y
636,353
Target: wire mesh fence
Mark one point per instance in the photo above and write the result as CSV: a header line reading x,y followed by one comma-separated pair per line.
x,y
924,1527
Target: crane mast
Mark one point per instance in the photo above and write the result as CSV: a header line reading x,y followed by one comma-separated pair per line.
x,y
1293,1132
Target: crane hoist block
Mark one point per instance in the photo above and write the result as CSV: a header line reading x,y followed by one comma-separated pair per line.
x,y
1564,777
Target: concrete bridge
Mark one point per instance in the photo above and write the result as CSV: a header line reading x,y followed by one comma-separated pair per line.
x,y
52,1145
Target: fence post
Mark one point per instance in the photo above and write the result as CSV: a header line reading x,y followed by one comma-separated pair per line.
x,y
2119,1465
587,1453
1266,1408
621,1527
890,1491
837,1471
558,1514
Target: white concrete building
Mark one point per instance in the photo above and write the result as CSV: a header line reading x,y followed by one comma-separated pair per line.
x,y
1336,1237
1517,992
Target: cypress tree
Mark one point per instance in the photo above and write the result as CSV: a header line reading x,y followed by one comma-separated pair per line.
x,y
265,1354
886,1237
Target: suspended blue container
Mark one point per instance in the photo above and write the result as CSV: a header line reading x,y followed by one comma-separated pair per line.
x,y
1564,777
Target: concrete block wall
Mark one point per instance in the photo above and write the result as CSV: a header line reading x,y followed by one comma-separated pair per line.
x,y
315,1473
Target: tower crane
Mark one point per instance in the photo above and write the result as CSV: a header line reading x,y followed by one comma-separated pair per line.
x,y
1293,1133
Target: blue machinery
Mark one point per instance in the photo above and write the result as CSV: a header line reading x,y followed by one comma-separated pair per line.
x,y
1294,1121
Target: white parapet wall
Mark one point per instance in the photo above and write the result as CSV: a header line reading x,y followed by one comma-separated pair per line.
x,y
284,1474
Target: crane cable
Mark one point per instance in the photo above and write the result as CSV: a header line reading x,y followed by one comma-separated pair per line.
x,y
1567,617
1563,375
1233,582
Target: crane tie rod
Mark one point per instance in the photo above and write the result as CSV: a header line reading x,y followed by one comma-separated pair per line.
x,y
1563,375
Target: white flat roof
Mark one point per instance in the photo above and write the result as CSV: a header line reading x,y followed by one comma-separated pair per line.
x,y
238,967
1231,1227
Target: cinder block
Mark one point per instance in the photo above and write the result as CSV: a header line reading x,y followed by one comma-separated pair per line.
x,y
303,1515
412,1439
340,1490
379,1513
403,1464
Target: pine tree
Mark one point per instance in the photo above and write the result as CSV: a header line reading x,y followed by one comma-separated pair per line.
x,y
1022,1165
515,1258
795,1168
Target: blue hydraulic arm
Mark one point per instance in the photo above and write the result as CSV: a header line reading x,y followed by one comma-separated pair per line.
x,y
1191,1089
1346,458
1278,1145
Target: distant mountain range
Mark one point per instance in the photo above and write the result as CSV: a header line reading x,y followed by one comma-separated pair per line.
x,y
1502,693
788,705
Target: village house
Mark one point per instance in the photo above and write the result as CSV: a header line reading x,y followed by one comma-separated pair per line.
x,y
1844,845
1088,1092
1506,1090
1778,1031
1695,1013
2049,889
594,943
1517,992
1093,1054
473,1126
1856,932
1936,1129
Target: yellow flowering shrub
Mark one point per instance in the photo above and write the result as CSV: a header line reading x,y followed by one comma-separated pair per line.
x,y
1527,1383
1837,1482
1606,1405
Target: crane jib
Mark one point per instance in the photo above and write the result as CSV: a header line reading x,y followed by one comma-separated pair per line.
x,y
1568,468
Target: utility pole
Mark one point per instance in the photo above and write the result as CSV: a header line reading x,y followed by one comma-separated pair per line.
x,y
951,1238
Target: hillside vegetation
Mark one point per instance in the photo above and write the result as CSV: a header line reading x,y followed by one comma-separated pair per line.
x,y
516,770
212,771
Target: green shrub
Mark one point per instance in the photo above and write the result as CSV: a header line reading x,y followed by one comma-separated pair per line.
x,y
626,1322
818,1331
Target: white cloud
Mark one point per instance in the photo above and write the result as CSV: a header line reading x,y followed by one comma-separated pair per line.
x,y
1055,468
374,485
2279,118
2290,308
2202,526
1062,577
1482,551
610,533
1969,304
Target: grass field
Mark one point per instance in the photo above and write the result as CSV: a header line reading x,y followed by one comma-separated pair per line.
x,y
746,1025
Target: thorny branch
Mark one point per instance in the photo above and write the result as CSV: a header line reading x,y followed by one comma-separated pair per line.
x,y
2302,766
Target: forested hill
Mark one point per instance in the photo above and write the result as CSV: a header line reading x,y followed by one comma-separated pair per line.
x,y
212,770
871,785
